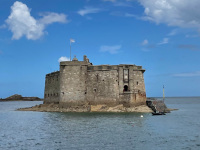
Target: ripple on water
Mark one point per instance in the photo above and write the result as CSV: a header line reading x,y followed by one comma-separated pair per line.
x,y
45,130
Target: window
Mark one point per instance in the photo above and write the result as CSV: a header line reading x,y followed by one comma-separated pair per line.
x,y
126,75
125,88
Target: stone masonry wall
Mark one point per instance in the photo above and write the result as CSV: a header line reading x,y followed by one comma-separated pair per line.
x,y
73,84
135,94
102,87
52,90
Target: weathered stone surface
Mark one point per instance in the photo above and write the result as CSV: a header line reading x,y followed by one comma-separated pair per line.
x,y
87,108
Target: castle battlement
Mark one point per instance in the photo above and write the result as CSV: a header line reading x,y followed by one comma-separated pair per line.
x,y
53,74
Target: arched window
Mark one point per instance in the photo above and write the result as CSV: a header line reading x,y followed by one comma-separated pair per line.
x,y
125,88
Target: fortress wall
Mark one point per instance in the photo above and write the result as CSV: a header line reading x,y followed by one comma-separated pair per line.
x,y
102,86
131,76
138,80
121,80
140,98
102,67
52,83
73,84
138,86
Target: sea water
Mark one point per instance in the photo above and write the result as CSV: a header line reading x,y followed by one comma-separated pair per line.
x,y
26,130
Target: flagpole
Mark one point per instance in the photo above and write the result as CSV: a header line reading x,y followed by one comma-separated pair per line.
x,y
70,50
163,93
71,41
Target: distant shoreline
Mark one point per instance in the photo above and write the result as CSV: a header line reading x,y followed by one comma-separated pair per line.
x,y
6,100
17,97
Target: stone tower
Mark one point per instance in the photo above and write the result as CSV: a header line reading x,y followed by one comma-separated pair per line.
x,y
73,76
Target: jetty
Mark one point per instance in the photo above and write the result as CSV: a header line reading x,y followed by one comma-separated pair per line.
x,y
157,105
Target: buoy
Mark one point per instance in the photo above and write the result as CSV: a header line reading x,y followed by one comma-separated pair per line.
x,y
141,116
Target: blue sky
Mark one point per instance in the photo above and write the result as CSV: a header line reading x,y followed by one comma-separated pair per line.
x,y
163,36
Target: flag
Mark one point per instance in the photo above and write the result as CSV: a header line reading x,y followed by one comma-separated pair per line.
x,y
72,40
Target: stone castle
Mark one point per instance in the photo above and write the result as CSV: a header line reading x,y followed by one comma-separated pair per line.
x,y
81,83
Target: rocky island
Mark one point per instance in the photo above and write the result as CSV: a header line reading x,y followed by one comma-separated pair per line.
x,y
80,86
17,97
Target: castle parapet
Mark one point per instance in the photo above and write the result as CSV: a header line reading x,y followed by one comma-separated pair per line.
x,y
102,68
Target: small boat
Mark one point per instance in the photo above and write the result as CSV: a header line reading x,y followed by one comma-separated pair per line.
x,y
158,113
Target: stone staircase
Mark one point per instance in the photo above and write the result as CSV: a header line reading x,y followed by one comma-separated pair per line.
x,y
157,105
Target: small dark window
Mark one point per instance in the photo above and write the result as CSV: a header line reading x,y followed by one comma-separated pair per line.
x,y
95,90
125,88
137,82
85,92
48,95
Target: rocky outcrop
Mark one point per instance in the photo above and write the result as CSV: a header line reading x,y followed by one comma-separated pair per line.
x,y
14,97
87,108
17,97
157,105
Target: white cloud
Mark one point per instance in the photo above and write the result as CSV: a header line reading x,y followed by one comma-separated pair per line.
x,y
164,41
120,3
145,42
50,17
131,15
21,23
191,74
63,58
88,10
111,49
180,13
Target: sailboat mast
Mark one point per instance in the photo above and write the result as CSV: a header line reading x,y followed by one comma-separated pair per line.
x,y
163,93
